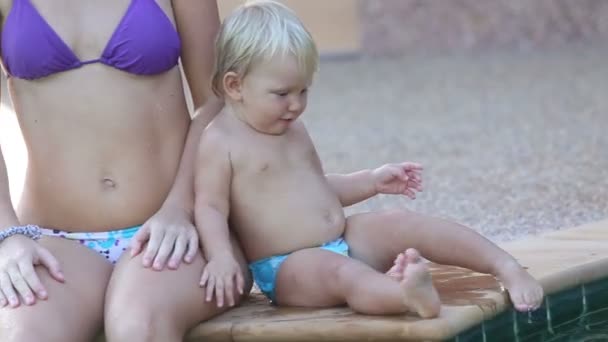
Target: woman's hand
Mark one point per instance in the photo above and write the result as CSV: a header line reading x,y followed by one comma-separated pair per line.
x,y
18,278
170,236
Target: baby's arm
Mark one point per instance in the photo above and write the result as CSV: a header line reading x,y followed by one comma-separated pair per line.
x,y
397,179
354,187
212,190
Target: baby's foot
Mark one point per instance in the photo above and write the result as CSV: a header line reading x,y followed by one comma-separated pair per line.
x,y
398,266
525,292
419,293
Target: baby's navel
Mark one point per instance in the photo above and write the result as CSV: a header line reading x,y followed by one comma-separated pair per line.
x,y
330,218
108,183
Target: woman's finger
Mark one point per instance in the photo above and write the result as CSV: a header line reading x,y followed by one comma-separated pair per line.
x,y
154,242
165,249
30,276
139,240
8,291
179,249
192,247
19,284
3,300
47,259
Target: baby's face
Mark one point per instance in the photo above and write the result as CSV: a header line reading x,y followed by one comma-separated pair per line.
x,y
274,94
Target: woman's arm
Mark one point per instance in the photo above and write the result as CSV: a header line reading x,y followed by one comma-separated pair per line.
x,y
8,217
198,23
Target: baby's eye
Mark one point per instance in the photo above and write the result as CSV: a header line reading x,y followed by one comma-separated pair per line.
x,y
282,93
304,91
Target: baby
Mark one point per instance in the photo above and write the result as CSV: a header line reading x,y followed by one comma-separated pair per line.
x,y
258,173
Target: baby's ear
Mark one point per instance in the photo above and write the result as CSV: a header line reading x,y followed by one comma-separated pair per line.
x,y
232,85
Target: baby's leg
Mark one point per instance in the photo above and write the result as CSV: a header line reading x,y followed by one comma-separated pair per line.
x,y
376,238
319,278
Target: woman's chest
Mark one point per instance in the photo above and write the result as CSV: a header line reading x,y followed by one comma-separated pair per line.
x,y
84,26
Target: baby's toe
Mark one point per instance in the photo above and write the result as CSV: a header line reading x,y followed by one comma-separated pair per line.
x,y
535,299
519,302
522,307
412,255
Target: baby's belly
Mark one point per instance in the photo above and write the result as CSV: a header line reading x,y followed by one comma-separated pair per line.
x,y
284,226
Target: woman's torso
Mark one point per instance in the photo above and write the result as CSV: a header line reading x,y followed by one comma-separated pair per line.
x,y
104,145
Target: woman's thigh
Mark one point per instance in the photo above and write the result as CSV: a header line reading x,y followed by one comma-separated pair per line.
x,y
73,310
138,297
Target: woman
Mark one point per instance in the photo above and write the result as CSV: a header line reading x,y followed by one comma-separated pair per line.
x,y
98,93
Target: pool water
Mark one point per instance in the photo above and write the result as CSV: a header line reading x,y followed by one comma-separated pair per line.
x,y
576,314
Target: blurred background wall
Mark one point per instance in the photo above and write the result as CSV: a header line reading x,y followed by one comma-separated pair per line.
x,y
394,27
335,24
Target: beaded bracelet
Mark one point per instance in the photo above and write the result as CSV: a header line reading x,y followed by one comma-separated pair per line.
x,y
30,230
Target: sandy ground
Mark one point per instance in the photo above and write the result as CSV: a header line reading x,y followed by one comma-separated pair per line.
x,y
512,143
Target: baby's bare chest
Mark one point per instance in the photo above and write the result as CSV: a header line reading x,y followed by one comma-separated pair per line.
x,y
275,167
274,156
279,165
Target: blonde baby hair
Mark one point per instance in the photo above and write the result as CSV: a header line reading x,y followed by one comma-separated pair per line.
x,y
258,31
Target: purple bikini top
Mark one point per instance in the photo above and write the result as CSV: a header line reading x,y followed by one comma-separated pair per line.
x,y
144,43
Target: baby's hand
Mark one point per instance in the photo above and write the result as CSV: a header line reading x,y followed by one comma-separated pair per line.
x,y
221,275
403,178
